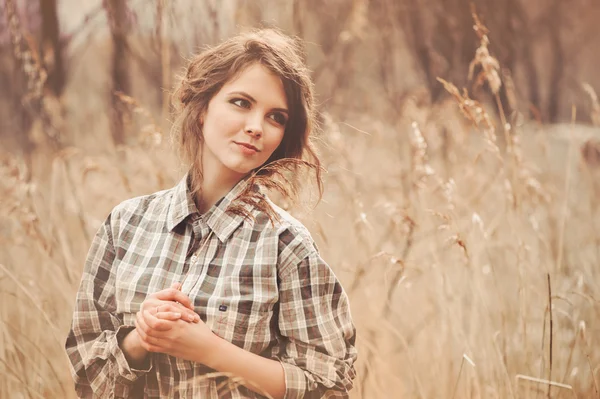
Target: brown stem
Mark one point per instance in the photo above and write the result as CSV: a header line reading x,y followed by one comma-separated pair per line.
x,y
551,328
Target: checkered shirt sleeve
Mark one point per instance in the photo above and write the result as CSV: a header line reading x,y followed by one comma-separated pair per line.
x,y
98,364
315,322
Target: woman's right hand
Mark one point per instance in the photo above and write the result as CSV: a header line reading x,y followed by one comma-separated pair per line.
x,y
170,304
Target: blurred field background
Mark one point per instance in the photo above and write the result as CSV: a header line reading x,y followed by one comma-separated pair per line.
x,y
464,226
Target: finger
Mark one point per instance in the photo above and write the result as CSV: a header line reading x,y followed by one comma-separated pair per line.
x,y
186,314
151,348
151,326
155,305
149,343
175,307
156,326
169,306
176,286
173,316
151,304
140,326
174,295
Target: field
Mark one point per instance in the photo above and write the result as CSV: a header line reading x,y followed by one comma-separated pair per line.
x,y
467,236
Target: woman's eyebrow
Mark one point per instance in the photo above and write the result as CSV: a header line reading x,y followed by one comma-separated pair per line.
x,y
253,100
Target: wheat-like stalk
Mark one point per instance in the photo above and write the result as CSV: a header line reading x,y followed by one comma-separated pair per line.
x,y
595,114
474,112
489,65
273,176
45,107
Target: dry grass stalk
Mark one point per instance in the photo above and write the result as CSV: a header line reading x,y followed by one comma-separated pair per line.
x,y
590,151
489,70
551,332
586,350
595,113
462,363
522,171
420,167
525,174
489,65
474,112
510,90
35,302
163,15
543,381
272,177
420,170
17,201
151,133
27,58
45,107
567,189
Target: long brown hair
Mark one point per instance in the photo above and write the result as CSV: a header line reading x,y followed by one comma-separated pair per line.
x,y
208,71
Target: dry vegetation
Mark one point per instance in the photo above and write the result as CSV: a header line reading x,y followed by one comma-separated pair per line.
x,y
467,236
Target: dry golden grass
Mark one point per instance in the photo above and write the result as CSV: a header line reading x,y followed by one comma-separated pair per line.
x,y
471,265
445,254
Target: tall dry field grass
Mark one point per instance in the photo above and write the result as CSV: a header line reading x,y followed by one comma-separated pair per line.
x,y
469,246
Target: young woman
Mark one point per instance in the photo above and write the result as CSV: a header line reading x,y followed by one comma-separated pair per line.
x,y
208,289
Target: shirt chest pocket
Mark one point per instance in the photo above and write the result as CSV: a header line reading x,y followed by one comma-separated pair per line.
x,y
244,310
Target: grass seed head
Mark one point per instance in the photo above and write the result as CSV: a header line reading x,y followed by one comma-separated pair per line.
x,y
490,66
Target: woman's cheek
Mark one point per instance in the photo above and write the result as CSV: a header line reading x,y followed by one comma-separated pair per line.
x,y
228,121
275,137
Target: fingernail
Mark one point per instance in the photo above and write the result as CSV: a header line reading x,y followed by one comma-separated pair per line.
x,y
177,314
191,318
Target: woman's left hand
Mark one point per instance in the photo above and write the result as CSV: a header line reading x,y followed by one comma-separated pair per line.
x,y
189,341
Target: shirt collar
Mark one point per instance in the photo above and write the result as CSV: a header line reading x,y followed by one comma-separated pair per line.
x,y
218,219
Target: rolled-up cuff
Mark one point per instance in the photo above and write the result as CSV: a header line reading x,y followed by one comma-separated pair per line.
x,y
125,373
295,381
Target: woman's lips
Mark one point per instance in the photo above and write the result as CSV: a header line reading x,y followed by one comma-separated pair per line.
x,y
247,149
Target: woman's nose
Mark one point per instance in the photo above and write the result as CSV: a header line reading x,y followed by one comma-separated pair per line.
x,y
253,128
254,132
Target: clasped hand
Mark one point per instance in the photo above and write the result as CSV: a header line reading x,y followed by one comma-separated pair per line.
x,y
167,323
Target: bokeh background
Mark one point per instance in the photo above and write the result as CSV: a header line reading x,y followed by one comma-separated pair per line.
x,y
464,225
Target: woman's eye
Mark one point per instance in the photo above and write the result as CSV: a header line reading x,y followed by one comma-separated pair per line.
x,y
241,102
279,118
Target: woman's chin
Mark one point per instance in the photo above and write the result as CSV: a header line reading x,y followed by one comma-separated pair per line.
x,y
241,170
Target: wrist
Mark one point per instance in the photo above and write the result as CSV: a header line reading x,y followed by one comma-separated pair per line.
x,y
212,351
133,350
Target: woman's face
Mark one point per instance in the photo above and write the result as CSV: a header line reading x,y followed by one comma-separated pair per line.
x,y
244,123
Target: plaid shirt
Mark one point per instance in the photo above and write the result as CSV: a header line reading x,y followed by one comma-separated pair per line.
x,y
262,287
